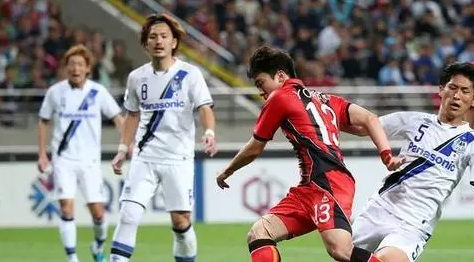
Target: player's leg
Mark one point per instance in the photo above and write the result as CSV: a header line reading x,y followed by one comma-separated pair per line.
x,y
332,198
403,244
64,174
263,237
178,184
178,190
138,189
92,187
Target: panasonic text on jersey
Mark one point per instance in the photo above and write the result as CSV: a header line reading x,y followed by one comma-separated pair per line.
x,y
432,156
162,105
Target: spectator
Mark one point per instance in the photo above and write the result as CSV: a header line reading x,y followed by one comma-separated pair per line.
x,y
9,102
391,74
319,77
123,64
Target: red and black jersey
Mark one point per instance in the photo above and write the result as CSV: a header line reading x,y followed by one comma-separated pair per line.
x,y
311,121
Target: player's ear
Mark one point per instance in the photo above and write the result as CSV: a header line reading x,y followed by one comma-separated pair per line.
x,y
441,91
174,44
281,76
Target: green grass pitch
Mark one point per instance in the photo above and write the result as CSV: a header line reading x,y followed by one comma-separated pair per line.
x,y
452,241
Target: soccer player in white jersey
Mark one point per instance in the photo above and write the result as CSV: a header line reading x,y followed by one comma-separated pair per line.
x,y
160,99
75,107
400,217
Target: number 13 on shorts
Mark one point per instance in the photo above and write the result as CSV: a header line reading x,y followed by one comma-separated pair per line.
x,y
322,213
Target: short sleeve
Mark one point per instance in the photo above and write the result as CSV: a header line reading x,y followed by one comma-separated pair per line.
x,y
340,106
200,94
394,124
131,102
273,113
47,107
109,107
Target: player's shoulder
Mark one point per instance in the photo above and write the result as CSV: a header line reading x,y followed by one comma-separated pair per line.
x,y
414,116
58,86
188,67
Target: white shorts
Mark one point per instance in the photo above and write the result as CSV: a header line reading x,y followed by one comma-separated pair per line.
x,y
376,228
68,175
176,181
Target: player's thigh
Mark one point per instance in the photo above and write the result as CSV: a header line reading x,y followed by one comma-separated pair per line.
x,y
268,226
91,182
64,179
403,245
294,214
372,225
177,182
141,182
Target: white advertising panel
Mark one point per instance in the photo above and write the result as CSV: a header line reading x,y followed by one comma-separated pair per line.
x,y
263,183
26,198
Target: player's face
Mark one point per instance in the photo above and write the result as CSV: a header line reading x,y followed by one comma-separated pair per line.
x,y
77,69
457,97
160,42
267,84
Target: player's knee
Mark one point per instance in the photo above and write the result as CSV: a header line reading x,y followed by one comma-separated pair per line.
x,y
67,209
267,227
180,220
131,213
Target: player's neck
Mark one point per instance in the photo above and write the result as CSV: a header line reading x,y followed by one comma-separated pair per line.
x,y
162,64
443,118
77,85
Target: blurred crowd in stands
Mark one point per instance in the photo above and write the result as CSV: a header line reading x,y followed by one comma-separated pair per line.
x,y
392,42
33,39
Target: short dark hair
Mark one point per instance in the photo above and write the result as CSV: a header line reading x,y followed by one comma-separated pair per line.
x,y
465,69
176,29
270,60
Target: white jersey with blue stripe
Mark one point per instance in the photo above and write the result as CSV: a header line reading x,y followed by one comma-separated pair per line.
x,y
437,157
77,118
166,102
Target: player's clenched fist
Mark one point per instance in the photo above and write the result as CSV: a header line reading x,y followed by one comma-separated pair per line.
x,y
391,162
117,162
43,163
222,176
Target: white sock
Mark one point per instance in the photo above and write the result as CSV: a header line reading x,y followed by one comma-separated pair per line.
x,y
67,229
123,242
100,232
185,245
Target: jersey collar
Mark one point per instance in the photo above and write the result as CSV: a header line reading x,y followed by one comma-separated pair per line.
x,y
293,81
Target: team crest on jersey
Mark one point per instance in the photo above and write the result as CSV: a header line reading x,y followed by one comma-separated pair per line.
x,y
459,145
176,84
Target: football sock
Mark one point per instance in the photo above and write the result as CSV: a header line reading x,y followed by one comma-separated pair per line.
x,y
100,232
123,242
362,255
264,250
184,244
67,230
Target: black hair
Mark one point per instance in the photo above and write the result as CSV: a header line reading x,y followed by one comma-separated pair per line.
x,y
465,69
270,60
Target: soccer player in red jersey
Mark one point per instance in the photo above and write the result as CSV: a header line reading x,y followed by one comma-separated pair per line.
x,y
311,121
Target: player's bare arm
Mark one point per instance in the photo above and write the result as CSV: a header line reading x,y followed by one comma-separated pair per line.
x,y
360,116
43,129
246,155
208,122
130,124
118,122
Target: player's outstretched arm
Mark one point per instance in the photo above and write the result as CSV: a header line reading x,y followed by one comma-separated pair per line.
x,y
208,122
43,129
246,155
367,120
129,127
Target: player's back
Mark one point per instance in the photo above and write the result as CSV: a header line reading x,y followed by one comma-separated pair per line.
x,y
437,155
166,101
311,121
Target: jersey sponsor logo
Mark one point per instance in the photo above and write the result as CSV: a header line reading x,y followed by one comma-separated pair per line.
x,y
432,156
77,115
162,105
459,145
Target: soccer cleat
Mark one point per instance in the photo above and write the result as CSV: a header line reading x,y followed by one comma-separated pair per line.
x,y
97,253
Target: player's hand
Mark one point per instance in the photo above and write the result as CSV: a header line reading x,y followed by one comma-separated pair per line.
x,y
394,162
43,163
209,143
117,162
222,176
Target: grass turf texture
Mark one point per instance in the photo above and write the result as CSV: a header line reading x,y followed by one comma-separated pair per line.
x,y
452,241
